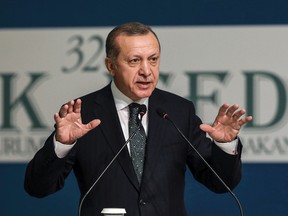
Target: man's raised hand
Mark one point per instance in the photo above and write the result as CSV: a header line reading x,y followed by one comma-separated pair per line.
x,y
69,126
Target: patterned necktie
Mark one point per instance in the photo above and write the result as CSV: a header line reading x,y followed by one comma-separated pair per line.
x,y
137,143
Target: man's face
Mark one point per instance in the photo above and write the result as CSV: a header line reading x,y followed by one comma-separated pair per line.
x,y
136,71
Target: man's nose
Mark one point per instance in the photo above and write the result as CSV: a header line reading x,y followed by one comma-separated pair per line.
x,y
145,68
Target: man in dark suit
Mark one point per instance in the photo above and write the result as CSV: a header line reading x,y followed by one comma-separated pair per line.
x,y
86,145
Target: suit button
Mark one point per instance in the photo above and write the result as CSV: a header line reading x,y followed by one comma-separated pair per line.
x,y
142,202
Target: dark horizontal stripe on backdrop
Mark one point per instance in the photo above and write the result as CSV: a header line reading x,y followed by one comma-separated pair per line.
x,y
52,13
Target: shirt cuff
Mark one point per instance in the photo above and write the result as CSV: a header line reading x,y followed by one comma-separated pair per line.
x,y
61,150
229,147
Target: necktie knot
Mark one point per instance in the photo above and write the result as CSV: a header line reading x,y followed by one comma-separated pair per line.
x,y
134,113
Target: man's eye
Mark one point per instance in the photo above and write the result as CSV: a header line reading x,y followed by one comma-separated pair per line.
x,y
134,60
154,60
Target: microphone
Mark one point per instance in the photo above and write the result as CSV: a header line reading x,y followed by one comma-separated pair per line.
x,y
164,115
142,111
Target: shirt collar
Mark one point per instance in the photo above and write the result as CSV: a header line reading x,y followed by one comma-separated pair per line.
x,y
122,101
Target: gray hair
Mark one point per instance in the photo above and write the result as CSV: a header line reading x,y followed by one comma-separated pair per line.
x,y
129,29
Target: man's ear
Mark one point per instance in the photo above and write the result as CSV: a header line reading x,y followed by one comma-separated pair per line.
x,y
110,66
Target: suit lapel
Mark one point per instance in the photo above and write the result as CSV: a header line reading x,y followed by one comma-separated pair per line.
x,y
156,134
111,128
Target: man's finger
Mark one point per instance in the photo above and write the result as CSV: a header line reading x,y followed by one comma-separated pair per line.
x,y
77,106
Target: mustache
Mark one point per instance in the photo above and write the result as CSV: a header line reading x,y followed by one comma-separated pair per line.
x,y
144,80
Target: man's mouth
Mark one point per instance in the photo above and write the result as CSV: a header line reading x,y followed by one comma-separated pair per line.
x,y
143,84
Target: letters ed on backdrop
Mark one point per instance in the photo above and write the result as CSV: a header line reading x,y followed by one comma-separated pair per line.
x,y
40,69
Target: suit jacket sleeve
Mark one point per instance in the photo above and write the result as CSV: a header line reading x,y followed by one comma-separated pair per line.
x,y
227,166
45,173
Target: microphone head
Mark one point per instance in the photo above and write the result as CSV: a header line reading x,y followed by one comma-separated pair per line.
x,y
162,113
142,109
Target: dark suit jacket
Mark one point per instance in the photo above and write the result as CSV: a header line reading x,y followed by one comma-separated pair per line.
x,y
167,154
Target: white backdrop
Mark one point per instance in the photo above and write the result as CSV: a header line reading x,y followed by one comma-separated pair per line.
x,y
40,69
